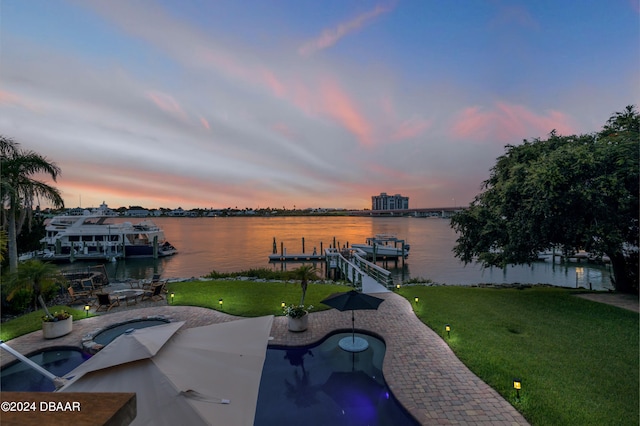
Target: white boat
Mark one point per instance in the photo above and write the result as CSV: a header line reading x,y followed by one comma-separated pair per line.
x,y
92,236
383,245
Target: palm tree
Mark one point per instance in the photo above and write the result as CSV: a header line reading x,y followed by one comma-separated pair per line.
x,y
19,189
305,273
3,244
35,276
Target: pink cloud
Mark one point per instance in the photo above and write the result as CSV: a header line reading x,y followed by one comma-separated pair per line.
x,y
8,98
166,103
273,83
411,128
283,130
507,123
205,123
331,36
338,105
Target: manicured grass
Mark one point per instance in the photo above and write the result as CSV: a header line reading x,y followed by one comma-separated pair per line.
x,y
577,359
249,298
32,322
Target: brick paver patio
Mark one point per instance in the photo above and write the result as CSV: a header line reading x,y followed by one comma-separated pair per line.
x,y
423,373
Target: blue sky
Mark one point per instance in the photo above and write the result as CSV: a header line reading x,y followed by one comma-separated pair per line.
x,y
299,103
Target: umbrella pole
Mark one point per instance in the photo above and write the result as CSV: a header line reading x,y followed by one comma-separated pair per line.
x,y
353,328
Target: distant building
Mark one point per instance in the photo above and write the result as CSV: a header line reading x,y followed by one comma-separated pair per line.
x,y
137,212
389,202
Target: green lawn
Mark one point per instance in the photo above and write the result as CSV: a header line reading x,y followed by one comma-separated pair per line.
x,y
32,322
249,298
577,359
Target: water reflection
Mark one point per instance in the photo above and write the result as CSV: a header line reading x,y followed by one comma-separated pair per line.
x,y
239,243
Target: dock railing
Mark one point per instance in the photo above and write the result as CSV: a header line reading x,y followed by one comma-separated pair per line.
x,y
379,274
357,267
351,272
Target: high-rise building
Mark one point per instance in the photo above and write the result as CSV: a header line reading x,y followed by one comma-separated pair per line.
x,y
389,202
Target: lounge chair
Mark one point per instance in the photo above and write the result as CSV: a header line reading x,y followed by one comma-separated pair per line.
x,y
105,301
78,296
155,293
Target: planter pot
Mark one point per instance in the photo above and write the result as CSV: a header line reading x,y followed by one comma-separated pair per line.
x,y
299,324
53,329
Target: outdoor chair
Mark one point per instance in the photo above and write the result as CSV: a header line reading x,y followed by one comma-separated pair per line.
x,y
105,301
136,284
87,285
155,293
148,285
78,296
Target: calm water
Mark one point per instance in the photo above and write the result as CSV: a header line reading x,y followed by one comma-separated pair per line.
x,y
228,244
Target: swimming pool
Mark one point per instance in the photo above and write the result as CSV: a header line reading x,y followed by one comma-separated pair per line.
x,y
324,385
19,377
98,339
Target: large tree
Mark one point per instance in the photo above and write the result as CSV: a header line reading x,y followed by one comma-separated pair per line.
x,y
19,188
567,192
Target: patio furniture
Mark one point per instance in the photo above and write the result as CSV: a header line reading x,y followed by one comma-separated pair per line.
x,y
136,284
78,296
130,297
105,301
87,285
155,293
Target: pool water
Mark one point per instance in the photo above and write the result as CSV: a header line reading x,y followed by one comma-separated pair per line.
x,y
19,377
107,335
324,385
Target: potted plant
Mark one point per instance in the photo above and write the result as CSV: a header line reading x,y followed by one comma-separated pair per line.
x,y
298,319
57,324
298,316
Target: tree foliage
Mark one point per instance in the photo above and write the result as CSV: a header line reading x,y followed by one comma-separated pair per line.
x,y
568,192
36,277
20,188
305,273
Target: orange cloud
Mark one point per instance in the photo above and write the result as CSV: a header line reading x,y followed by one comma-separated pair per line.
x,y
508,123
338,105
331,36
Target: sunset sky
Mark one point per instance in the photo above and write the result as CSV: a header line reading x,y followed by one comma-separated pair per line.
x,y
303,103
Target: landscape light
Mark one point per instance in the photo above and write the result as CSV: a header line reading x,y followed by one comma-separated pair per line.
x,y
282,304
172,296
517,385
398,286
416,299
447,328
86,309
220,302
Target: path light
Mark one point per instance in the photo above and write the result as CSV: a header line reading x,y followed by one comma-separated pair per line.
x,y
447,328
517,385
398,286
282,305
416,299
220,302
172,296
86,309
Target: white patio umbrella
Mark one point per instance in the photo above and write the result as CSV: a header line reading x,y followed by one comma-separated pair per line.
x,y
200,376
